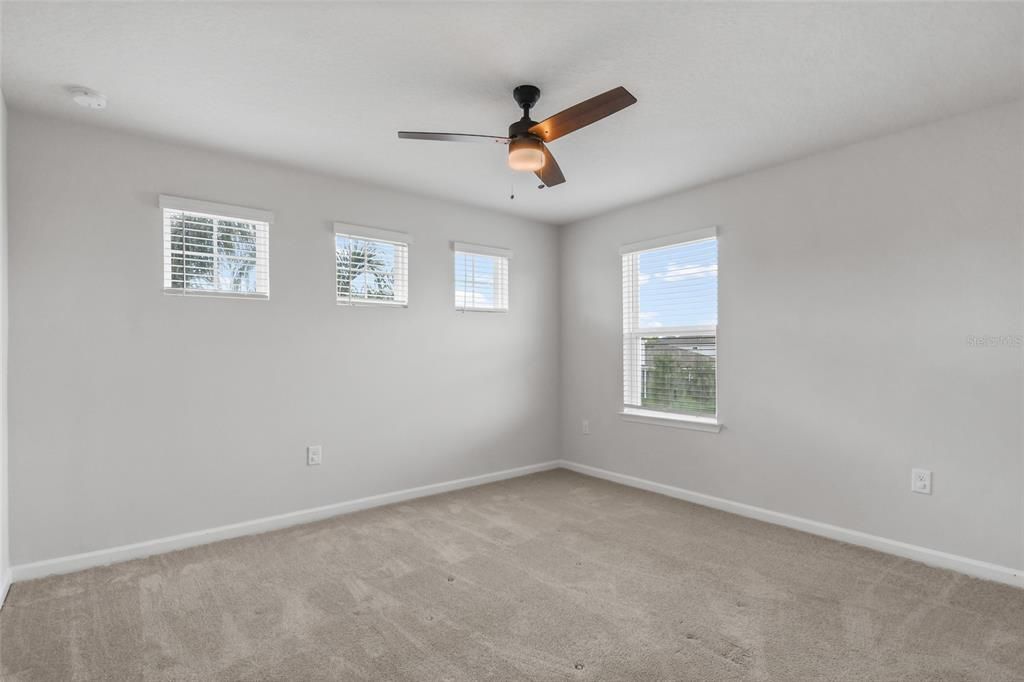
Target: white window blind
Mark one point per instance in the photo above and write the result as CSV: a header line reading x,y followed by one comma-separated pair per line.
x,y
481,277
372,266
670,325
215,249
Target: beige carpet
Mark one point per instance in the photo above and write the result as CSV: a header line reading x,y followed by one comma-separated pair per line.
x,y
549,577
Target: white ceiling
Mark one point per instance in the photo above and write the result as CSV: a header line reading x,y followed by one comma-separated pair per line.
x,y
722,88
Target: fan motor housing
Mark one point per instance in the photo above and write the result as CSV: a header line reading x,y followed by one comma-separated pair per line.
x,y
521,128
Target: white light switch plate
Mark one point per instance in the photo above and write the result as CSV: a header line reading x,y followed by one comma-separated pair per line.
x,y
921,481
314,455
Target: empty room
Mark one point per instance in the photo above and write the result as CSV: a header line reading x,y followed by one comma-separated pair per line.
x,y
511,341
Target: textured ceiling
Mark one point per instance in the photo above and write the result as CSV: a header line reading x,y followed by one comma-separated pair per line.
x,y
722,88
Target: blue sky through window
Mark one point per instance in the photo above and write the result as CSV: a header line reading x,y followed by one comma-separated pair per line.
x,y
678,285
474,280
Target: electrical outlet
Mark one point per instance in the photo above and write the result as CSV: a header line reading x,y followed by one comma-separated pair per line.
x,y
586,427
314,455
921,481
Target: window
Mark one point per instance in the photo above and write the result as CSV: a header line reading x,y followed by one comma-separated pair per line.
x,y
670,326
372,266
215,249
481,277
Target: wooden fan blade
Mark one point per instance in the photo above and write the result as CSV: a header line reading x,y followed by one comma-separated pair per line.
x,y
583,114
451,137
550,174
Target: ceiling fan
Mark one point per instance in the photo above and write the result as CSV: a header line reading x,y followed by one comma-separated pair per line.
x,y
526,139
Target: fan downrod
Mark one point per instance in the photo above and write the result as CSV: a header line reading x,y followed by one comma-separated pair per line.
x,y
526,97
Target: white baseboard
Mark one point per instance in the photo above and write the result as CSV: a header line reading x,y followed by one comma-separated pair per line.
x,y
78,562
5,584
102,557
932,557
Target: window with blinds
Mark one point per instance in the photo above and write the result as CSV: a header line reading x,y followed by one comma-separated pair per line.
x,y
670,325
372,266
481,277
215,249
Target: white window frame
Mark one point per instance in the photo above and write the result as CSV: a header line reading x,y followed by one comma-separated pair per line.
x,y
402,240
502,291
632,344
263,221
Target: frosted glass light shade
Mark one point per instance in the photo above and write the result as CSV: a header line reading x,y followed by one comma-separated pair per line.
x,y
525,154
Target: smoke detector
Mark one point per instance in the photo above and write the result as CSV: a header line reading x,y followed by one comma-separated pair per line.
x,y
90,99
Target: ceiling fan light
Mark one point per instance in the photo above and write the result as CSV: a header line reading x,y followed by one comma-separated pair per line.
x,y
525,154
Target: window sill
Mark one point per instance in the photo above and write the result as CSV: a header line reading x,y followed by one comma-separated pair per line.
x,y
211,293
372,304
677,421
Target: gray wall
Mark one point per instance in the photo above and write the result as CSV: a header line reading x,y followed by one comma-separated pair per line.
x,y
849,284
128,422
5,553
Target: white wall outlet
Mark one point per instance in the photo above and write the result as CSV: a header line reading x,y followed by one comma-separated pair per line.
x,y
314,455
586,427
921,481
